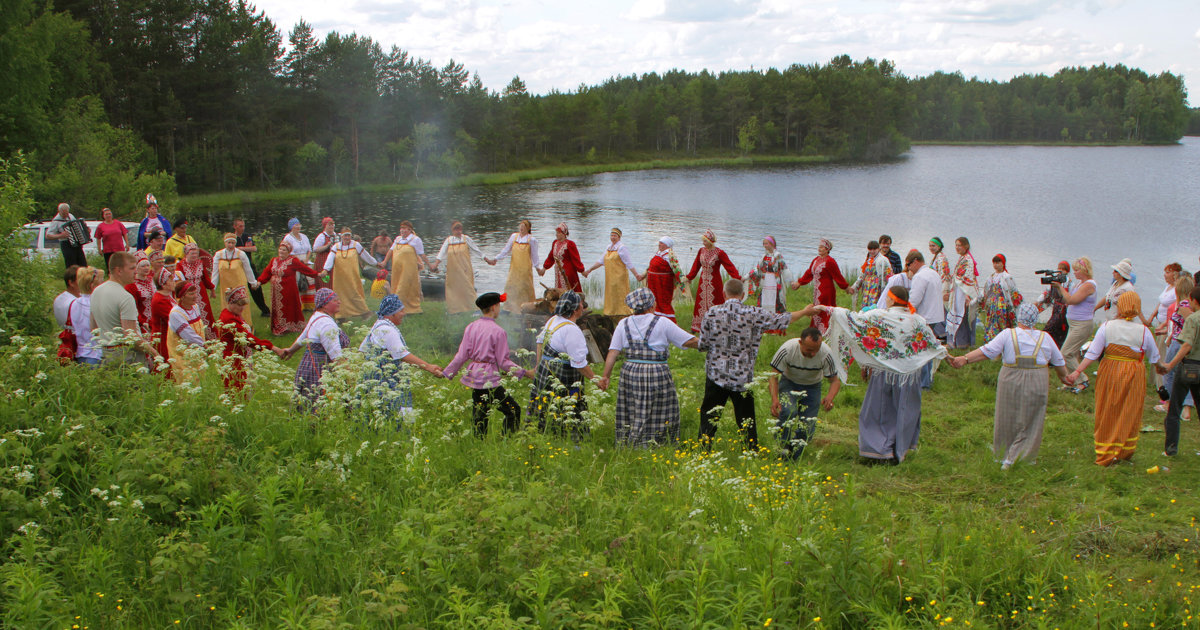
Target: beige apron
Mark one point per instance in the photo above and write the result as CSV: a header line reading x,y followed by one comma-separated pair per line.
x,y
520,278
616,284
406,281
347,283
232,275
460,279
181,369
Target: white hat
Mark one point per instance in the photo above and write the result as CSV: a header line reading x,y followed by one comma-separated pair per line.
x,y
668,241
1125,269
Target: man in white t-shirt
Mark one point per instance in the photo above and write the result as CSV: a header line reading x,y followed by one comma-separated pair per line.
x,y
800,364
63,300
114,313
925,295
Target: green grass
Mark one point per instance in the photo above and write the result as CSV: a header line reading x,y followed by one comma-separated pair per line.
x,y
253,515
212,200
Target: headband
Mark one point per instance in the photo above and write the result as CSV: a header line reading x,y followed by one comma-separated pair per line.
x,y
898,302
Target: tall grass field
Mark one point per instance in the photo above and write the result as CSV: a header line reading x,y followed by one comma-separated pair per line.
x,y
132,502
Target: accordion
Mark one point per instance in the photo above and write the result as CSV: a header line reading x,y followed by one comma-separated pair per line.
x,y
77,233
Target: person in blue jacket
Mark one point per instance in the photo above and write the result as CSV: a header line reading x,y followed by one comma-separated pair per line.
x,y
153,221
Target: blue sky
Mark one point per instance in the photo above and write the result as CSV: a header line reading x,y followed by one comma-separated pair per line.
x,y
561,44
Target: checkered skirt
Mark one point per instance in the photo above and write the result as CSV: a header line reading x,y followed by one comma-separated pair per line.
x,y
647,405
312,366
557,392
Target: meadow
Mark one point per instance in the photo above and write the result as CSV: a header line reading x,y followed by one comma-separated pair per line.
x,y
130,502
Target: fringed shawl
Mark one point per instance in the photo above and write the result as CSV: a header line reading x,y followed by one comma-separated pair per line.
x,y
888,340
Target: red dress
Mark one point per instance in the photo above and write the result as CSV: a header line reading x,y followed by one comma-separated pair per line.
x,y
824,273
160,313
142,292
661,278
229,330
564,257
711,290
286,313
200,274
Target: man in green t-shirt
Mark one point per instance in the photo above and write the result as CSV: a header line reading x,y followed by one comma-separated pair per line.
x,y
1189,353
802,363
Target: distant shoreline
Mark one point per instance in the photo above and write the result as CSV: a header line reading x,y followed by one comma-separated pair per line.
x,y
1036,143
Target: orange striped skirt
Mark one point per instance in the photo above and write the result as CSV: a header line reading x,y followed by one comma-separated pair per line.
x,y
1120,399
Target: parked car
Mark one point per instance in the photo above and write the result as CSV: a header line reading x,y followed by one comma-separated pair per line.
x,y
36,243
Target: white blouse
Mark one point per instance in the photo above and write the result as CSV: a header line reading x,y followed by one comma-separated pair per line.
x,y
301,247
567,340
1002,345
622,251
516,238
323,329
225,254
1165,300
81,311
355,245
1132,335
386,335
666,333
323,239
455,240
413,240
181,320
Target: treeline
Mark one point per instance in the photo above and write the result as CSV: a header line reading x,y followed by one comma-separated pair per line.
x,y
112,98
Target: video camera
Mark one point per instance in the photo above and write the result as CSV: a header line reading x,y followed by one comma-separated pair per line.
x,y
1052,275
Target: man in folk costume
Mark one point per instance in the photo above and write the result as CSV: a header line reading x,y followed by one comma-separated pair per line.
x,y
617,264
731,334
344,264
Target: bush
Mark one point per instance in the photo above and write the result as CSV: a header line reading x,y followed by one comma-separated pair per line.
x,y
26,286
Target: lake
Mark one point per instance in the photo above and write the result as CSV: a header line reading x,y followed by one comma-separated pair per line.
x,y
1035,204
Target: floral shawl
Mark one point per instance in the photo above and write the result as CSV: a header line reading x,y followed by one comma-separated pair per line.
x,y
888,340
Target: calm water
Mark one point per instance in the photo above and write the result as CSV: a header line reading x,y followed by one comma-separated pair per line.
x,y
1036,205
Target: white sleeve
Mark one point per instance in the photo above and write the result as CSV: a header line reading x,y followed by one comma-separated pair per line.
x,y
575,345
472,246
394,344
178,321
364,254
623,252
997,345
676,335
418,245
1149,346
215,276
1055,356
329,260
1098,343
251,277
508,247
618,338
441,255
533,251
327,334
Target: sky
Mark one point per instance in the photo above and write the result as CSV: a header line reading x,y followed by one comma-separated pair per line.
x,y
560,44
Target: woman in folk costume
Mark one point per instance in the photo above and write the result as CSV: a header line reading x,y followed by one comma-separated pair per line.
x,y
286,312
523,248
664,276
711,289
195,270
386,388
1022,387
556,398
231,269
344,264
323,342
564,257
825,275
160,313
767,275
142,289
893,344
647,400
237,337
301,248
185,330
1000,299
407,258
961,309
1122,346
322,245
940,264
872,276
460,274
617,265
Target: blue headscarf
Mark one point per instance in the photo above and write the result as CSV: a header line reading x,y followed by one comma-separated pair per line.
x,y
293,222
390,305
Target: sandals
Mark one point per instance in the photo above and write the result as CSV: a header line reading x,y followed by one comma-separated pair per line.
x,y
1082,387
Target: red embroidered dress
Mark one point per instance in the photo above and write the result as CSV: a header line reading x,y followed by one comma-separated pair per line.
x,y
663,275
286,313
564,257
142,292
239,343
711,290
824,273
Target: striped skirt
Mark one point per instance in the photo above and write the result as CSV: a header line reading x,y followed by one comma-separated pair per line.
x,y
1120,398
1020,413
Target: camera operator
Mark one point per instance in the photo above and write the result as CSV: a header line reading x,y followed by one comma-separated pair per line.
x,y
1053,298
1081,306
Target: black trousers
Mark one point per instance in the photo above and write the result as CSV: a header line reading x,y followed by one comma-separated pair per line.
x,y
483,400
1179,393
257,293
715,398
72,254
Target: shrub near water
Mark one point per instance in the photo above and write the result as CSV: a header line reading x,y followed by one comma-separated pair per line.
x,y
128,502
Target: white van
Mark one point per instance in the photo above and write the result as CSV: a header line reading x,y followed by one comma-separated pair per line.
x,y
36,243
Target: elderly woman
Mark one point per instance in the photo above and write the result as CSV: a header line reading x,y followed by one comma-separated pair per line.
x,y
564,258
196,270
87,351
1122,346
344,263
231,269
407,257
386,388
286,312
711,289
1000,299
561,368
1022,388
617,264
824,273
1122,282
460,274
767,280
523,248
664,277
872,276
185,329
237,336
1081,305
301,248
142,289
962,297
647,401
323,342
892,344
